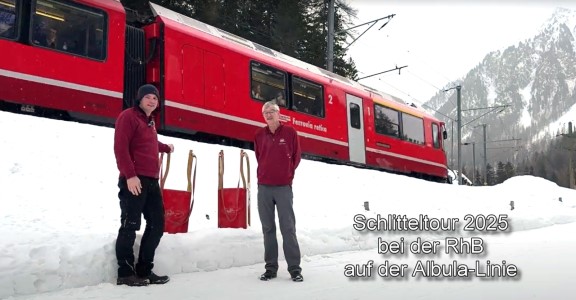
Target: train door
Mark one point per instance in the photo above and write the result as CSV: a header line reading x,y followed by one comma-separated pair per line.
x,y
214,81
193,76
356,145
203,81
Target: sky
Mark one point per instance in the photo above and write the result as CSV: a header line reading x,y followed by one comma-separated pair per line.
x,y
60,216
439,41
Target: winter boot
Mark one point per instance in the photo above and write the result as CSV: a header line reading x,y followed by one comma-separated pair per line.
x,y
297,276
132,280
156,279
268,275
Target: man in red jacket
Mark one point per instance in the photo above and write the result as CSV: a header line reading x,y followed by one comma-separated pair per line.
x,y
136,147
278,154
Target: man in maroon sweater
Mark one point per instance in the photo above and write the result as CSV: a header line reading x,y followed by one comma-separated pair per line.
x,y
278,154
136,147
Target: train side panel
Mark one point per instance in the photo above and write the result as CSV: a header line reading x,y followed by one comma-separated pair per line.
x,y
397,153
207,80
208,89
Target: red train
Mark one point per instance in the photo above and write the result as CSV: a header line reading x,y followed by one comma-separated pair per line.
x,y
83,60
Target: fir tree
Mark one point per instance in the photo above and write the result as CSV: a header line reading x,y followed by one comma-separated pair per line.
x,y
509,170
500,173
478,179
490,175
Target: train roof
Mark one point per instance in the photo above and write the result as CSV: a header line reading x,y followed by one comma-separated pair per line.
x,y
378,96
174,16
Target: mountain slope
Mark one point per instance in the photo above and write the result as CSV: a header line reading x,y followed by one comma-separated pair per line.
x,y
520,93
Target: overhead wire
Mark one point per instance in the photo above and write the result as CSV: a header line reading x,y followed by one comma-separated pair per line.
x,y
371,44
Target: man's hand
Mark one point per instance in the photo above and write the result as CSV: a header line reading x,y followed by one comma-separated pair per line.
x,y
171,148
134,185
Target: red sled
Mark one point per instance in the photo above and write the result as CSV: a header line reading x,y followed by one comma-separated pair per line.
x,y
234,203
178,204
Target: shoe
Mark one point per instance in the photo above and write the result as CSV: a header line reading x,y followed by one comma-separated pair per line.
x,y
156,279
132,280
268,275
297,277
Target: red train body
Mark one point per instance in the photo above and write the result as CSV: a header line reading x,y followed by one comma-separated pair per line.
x,y
212,83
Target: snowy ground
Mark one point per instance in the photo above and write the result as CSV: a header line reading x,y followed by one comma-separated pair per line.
x,y
60,216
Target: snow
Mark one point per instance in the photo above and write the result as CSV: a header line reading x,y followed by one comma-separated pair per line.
x,y
526,119
60,216
560,125
454,174
492,94
561,16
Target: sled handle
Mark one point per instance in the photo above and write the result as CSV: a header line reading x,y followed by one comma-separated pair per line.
x,y
191,179
244,155
191,183
221,170
164,175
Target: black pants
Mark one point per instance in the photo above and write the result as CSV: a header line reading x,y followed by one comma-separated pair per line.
x,y
149,203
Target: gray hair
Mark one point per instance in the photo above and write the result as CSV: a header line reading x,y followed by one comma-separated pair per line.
x,y
271,104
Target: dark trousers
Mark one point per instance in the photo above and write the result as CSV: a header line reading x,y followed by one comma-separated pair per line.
x,y
148,203
280,197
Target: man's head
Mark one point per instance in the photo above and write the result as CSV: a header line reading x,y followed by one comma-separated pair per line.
x,y
271,113
52,33
147,98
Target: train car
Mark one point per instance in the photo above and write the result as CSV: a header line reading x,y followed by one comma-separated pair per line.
x,y
63,55
82,60
403,139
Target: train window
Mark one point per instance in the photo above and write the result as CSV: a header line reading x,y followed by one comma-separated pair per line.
x,y
386,120
69,27
355,116
413,129
268,83
8,19
307,97
435,136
